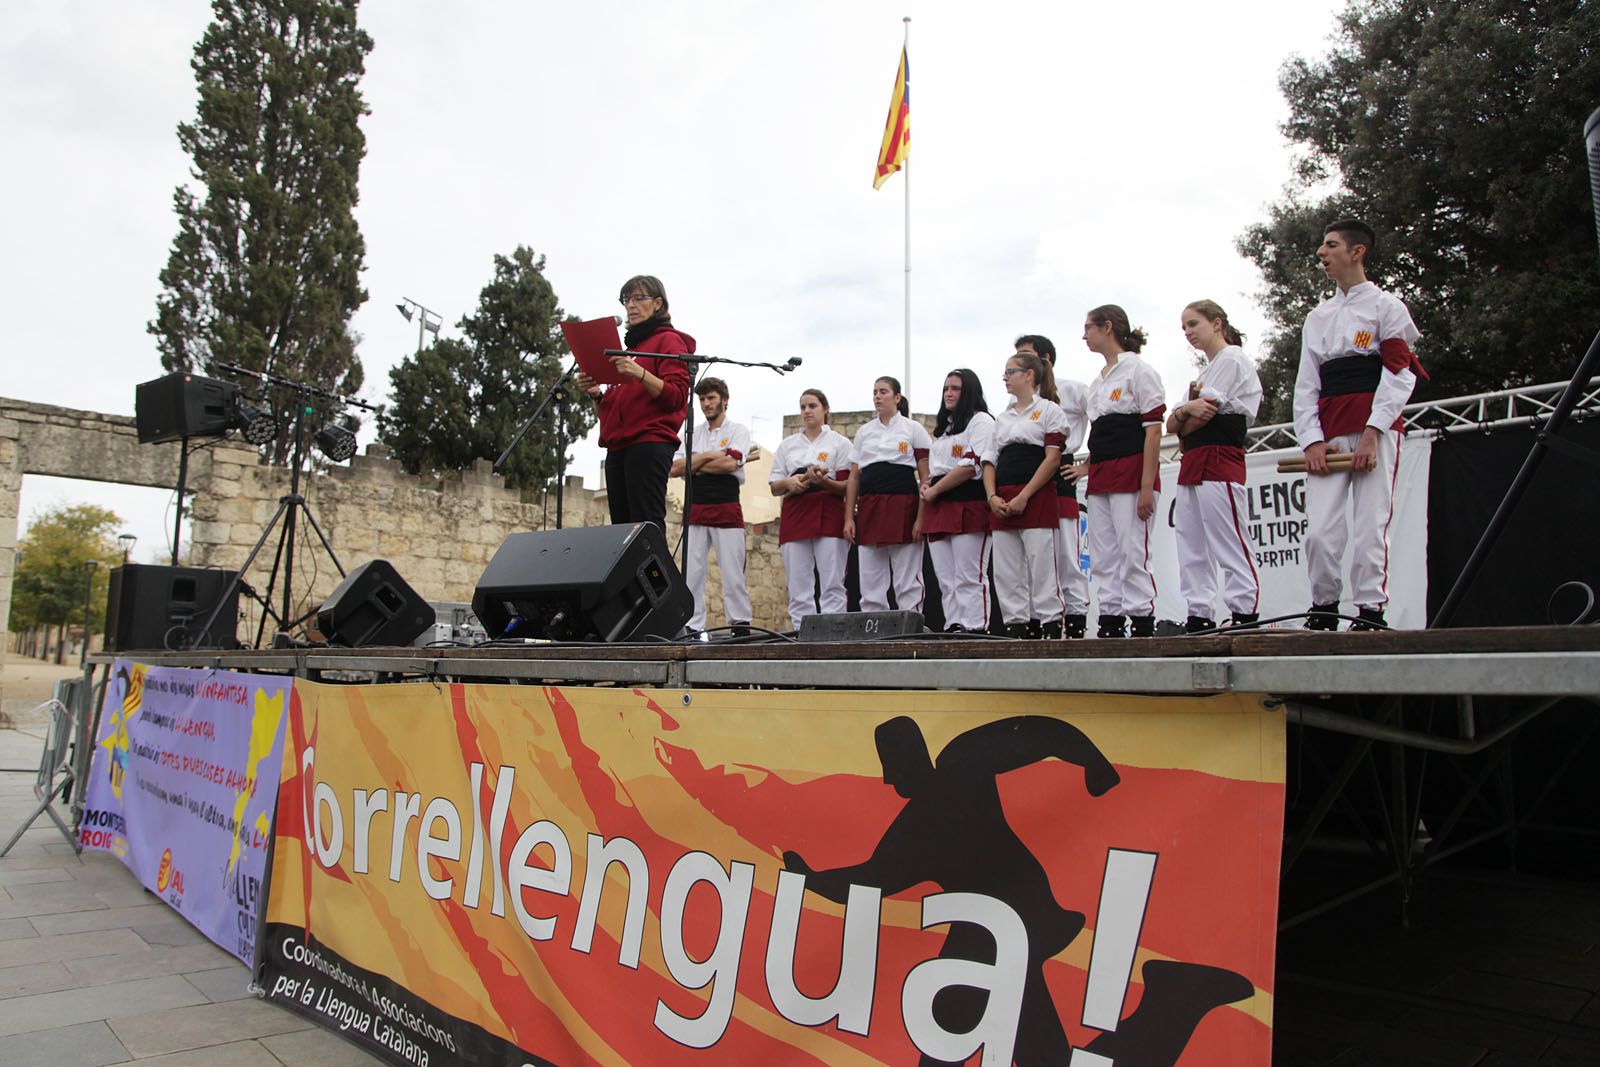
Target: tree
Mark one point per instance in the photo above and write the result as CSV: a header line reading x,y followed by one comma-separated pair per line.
x,y
265,269
53,570
1455,130
464,400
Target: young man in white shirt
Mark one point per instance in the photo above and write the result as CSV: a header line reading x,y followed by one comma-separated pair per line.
x,y
716,521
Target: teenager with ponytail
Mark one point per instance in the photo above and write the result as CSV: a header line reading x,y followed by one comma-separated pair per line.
x,y
882,504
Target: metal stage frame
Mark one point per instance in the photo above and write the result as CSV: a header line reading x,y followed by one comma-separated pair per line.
x,y
1375,712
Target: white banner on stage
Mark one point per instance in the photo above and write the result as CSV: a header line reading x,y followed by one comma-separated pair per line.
x,y
1277,522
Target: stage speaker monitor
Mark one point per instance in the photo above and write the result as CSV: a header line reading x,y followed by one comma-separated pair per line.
x,y
183,405
860,625
596,583
157,607
373,606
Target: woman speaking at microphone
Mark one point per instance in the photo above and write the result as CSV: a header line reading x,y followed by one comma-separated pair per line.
x,y
640,418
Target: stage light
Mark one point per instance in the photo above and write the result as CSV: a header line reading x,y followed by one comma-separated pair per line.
x,y
256,424
336,442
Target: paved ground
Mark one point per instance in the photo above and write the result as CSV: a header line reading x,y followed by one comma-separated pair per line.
x,y
94,970
29,683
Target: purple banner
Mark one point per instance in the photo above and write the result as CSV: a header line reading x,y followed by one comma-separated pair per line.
x,y
182,791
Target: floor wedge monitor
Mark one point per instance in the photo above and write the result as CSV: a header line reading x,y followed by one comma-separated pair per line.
x,y
595,583
373,606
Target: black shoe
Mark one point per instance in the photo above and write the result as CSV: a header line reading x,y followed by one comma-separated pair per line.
x,y
1034,633
1142,625
1246,618
1073,626
1017,630
1050,631
1371,619
955,628
1113,626
740,629
1323,617
1198,624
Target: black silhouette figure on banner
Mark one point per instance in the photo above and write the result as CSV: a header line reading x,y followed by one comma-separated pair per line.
x,y
953,832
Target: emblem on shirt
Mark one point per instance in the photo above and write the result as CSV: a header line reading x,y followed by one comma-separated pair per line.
x,y
1364,339
722,443
1116,394
904,447
822,457
1035,416
958,450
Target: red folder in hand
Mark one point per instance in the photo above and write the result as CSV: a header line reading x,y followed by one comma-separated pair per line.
x,y
588,341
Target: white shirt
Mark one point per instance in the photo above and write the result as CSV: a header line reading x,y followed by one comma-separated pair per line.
x,y
731,439
964,449
830,450
1231,380
1354,322
1130,386
898,442
1074,404
1041,423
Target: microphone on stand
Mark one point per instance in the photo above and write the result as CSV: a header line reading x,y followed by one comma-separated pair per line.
x,y
794,361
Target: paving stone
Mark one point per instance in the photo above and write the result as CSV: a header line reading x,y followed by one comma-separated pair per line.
x,y
1580,970
321,1047
83,1045
233,1054
162,1032
46,976
1567,1052
20,1015
222,983
146,963
1474,1029
10,929
68,946
173,932
26,876
72,890
103,919
57,905
1514,994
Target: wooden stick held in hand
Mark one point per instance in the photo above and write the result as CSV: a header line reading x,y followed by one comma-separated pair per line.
x,y
1337,461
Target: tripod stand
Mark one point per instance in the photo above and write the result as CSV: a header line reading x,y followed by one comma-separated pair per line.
x,y
558,395
290,508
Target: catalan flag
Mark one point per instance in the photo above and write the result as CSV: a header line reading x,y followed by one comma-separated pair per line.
x,y
897,130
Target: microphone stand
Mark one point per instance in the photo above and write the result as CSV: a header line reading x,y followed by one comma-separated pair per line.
x,y
693,361
558,393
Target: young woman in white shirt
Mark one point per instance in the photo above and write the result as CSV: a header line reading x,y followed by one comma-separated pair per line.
x,y
1212,513
882,505
1019,476
1126,404
955,518
809,471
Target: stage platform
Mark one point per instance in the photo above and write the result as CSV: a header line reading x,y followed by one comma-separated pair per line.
x,y
1511,662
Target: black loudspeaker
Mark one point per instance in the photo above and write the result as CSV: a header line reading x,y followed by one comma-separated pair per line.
x,y
597,583
373,606
183,405
156,607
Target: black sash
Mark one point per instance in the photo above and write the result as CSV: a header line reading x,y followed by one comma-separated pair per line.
x,y
1018,464
1114,436
1221,430
888,477
971,489
716,489
1351,374
1066,487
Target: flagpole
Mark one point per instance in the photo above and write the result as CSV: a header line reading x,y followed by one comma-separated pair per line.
x,y
906,174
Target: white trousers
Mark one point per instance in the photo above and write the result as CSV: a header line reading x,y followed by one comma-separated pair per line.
x,y
814,562
1119,554
1025,575
1370,495
961,562
1212,535
729,543
881,564
1069,573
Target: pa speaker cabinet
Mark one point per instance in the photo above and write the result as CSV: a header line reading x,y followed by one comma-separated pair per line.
x,y
156,607
182,405
373,606
595,583
860,625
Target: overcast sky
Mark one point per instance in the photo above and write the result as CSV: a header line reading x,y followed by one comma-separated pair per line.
x,y
1063,156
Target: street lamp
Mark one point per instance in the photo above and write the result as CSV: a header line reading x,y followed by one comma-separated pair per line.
x,y
428,321
127,541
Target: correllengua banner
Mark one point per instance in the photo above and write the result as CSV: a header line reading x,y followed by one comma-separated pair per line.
x,y
184,780
516,874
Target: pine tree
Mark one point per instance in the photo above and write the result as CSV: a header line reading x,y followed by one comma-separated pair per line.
x,y
464,400
265,269
1455,130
